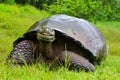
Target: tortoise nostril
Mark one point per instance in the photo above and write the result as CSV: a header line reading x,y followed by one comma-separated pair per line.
x,y
43,38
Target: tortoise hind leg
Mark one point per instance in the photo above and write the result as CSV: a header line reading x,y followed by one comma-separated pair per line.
x,y
22,53
76,61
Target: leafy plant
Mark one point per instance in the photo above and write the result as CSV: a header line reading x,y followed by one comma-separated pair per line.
x,y
88,9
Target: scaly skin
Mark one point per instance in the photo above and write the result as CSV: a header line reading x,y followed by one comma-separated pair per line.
x,y
23,52
76,62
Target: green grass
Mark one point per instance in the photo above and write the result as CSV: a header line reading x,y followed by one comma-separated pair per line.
x,y
111,31
15,20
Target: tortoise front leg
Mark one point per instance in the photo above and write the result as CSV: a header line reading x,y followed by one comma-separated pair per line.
x,y
22,53
76,61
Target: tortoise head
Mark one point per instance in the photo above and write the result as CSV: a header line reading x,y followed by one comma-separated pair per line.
x,y
46,34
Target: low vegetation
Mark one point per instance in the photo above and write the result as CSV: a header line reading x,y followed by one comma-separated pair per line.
x,y
15,20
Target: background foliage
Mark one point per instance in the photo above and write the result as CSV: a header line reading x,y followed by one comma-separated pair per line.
x,y
88,9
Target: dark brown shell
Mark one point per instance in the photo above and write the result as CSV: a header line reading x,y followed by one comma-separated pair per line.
x,y
78,30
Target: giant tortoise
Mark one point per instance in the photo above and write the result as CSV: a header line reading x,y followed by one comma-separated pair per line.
x,y
61,37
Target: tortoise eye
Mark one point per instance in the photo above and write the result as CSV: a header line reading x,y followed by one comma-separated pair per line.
x,y
40,30
47,29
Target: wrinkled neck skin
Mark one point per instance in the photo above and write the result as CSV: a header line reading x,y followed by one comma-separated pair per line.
x,y
46,49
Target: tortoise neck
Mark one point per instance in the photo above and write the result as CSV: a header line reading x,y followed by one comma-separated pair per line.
x,y
46,49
